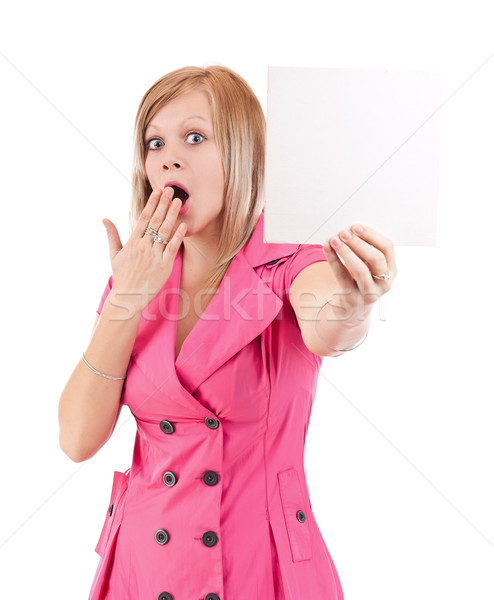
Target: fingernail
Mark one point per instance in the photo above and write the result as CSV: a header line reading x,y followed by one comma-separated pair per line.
x,y
358,229
336,243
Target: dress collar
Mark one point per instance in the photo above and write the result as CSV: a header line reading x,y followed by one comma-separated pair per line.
x,y
242,308
257,252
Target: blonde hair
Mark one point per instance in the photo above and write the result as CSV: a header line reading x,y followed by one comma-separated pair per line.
x,y
239,129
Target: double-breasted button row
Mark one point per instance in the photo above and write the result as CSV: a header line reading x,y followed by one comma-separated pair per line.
x,y
167,427
165,596
170,479
209,538
168,596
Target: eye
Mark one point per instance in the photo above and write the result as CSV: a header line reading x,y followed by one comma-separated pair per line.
x,y
153,140
195,138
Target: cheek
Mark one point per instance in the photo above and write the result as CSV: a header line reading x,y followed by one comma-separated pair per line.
x,y
149,164
220,178
216,175
219,173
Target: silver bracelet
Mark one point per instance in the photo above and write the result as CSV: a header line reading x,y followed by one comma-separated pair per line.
x,y
99,372
336,350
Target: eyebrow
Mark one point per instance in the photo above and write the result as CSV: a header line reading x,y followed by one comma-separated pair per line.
x,y
151,126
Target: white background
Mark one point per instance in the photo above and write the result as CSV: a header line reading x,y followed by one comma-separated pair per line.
x,y
399,453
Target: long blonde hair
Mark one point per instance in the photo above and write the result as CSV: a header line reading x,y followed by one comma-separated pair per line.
x,y
239,128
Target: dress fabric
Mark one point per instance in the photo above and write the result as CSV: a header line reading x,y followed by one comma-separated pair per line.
x,y
215,504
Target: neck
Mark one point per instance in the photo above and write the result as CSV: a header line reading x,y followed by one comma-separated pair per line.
x,y
197,260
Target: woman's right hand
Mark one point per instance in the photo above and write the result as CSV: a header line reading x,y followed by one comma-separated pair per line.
x,y
142,266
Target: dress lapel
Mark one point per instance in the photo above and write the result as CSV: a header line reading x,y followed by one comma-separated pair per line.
x,y
243,306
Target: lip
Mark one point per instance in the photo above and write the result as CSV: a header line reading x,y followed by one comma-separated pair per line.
x,y
186,205
170,183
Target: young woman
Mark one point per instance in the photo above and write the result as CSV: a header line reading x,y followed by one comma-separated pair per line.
x,y
205,333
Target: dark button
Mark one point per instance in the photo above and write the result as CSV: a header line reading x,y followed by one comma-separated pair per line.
x,y
212,423
211,596
110,509
166,427
210,478
209,538
165,596
161,536
272,262
301,515
169,479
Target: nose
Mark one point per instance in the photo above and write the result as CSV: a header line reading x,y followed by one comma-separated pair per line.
x,y
170,159
167,165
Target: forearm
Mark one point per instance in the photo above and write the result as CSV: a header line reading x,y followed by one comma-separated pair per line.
x,y
89,404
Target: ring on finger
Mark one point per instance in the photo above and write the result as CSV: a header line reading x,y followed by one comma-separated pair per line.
x,y
384,276
158,239
151,231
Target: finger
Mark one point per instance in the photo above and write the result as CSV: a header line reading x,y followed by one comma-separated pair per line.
x,y
168,227
146,213
374,259
379,241
174,243
159,214
114,241
340,271
356,267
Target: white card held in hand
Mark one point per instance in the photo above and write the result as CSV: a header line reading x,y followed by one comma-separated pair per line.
x,y
348,146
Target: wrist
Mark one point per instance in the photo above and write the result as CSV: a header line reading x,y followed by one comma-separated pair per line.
x,y
122,306
348,317
359,318
340,333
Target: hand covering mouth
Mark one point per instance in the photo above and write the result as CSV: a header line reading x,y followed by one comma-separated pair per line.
x,y
178,192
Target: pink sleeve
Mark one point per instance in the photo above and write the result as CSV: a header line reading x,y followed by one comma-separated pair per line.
x,y
282,279
106,291
301,258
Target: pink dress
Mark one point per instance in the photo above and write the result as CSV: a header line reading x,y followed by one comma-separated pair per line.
x,y
215,505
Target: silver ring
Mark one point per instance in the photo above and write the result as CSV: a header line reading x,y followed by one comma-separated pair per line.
x,y
150,231
384,276
158,239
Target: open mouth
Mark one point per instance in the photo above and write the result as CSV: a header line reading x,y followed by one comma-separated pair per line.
x,y
178,192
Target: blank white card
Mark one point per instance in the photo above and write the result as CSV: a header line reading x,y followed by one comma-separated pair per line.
x,y
349,146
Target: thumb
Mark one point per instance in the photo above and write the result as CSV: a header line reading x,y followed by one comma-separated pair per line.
x,y
113,238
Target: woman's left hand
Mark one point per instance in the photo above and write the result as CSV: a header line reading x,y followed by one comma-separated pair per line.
x,y
365,254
